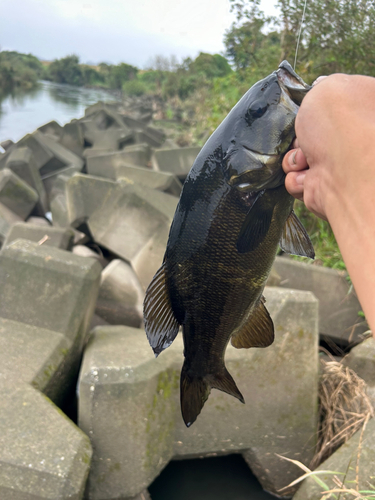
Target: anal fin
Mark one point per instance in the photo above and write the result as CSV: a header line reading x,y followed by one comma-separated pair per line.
x,y
294,239
258,330
160,323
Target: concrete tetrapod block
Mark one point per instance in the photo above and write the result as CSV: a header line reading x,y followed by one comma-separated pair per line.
x,y
48,287
51,180
129,403
51,289
85,194
6,144
361,359
34,355
138,155
52,129
72,137
344,461
22,162
135,226
50,236
338,303
85,251
61,156
42,155
38,221
162,181
16,194
7,219
104,141
120,299
176,161
43,455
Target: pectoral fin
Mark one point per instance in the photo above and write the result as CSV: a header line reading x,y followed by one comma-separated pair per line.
x,y
295,239
258,330
255,226
160,323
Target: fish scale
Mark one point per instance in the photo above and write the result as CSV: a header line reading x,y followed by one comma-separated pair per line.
x,y
233,213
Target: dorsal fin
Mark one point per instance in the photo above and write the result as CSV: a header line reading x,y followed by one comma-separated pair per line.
x,y
295,239
257,331
160,323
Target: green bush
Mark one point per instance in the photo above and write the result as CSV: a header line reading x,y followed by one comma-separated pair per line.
x,y
19,70
134,88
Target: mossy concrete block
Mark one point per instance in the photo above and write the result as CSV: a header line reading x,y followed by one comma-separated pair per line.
x,y
50,236
176,161
43,455
7,219
48,287
143,430
16,194
162,181
33,355
338,302
22,162
135,226
361,359
354,460
120,299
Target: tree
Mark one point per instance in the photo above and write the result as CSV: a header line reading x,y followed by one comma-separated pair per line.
x,y
210,65
337,35
66,70
121,73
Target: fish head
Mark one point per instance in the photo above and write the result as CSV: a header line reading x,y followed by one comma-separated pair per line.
x,y
260,130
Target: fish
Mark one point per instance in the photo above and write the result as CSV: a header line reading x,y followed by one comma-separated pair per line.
x,y
233,214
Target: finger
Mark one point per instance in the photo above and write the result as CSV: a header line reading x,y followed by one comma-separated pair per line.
x,y
294,182
294,160
319,79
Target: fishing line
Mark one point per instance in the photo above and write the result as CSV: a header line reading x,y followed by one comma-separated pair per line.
x,y
299,35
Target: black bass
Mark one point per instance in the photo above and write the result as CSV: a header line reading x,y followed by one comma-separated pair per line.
x,y
233,213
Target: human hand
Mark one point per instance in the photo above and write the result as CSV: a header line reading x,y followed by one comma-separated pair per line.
x,y
295,167
333,167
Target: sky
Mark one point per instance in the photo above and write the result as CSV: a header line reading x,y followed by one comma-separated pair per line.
x,y
113,31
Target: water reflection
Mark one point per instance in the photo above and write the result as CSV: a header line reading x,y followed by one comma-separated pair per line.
x,y
21,112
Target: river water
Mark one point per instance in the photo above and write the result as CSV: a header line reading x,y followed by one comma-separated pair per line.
x,y
22,112
222,478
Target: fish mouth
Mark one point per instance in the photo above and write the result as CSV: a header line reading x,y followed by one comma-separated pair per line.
x,y
293,84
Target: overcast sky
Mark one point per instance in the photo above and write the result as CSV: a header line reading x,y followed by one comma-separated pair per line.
x,y
114,31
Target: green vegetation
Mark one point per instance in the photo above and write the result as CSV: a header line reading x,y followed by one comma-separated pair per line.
x,y
19,71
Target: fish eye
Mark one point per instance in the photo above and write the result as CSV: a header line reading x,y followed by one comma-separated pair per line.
x,y
257,109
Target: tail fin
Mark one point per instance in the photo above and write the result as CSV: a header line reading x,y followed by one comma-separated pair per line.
x,y
194,391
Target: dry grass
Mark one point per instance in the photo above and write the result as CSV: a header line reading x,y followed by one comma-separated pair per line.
x,y
343,406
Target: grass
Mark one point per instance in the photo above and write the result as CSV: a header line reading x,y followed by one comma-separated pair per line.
x,y
344,409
